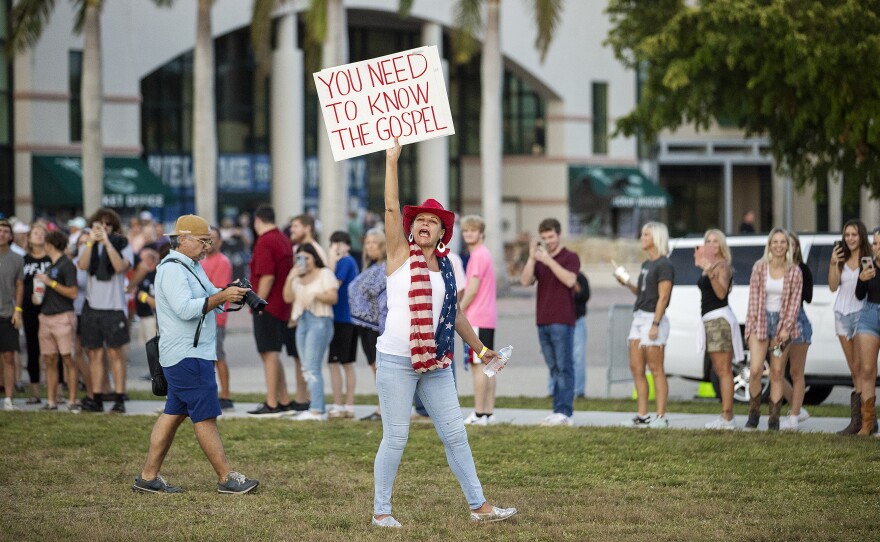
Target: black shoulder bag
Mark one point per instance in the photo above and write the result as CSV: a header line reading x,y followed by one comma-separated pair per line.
x,y
157,376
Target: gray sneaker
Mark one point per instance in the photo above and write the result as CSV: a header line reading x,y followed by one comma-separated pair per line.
x,y
156,485
237,484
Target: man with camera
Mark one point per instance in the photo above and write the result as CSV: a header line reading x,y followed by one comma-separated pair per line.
x,y
186,307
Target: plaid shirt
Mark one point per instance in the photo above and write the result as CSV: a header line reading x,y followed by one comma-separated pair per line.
x,y
756,316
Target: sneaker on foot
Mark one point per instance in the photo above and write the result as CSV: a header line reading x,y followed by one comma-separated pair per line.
x,y
91,405
236,484
472,418
335,411
265,411
497,514
118,408
387,521
490,419
721,423
33,401
7,404
373,417
74,408
49,406
156,485
803,416
638,421
309,416
226,405
659,422
299,407
348,411
789,423
557,418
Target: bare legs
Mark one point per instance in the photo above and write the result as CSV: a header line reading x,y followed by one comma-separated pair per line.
x,y
797,362
336,383
721,364
484,391
163,435
851,353
223,375
652,358
276,383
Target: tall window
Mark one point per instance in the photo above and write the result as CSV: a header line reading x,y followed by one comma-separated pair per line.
x,y
600,118
74,71
7,188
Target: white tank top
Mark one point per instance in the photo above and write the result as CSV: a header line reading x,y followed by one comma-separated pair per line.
x,y
774,292
395,340
846,302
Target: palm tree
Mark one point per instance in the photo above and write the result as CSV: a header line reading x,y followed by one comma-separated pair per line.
x,y
29,18
469,23
204,116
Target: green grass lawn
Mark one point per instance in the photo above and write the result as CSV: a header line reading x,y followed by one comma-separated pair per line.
x,y
67,477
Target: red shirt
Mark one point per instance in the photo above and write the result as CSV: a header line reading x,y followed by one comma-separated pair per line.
x,y
219,270
273,256
556,300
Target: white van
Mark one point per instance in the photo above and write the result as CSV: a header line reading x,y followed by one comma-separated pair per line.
x,y
826,366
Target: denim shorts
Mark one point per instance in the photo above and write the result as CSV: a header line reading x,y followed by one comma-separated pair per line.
x,y
845,324
805,327
772,324
869,320
192,389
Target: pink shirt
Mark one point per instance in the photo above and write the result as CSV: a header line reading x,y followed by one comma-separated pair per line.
x,y
219,270
482,312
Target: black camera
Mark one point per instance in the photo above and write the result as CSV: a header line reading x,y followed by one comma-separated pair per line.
x,y
250,299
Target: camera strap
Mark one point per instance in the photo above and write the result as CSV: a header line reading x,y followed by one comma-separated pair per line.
x,y
199,326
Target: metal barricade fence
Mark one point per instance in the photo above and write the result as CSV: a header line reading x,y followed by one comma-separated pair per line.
x,y
620,319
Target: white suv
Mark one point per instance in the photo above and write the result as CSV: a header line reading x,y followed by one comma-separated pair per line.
x,y
826,366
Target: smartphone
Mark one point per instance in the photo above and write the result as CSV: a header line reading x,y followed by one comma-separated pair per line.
x,y
867,262
838,245
301,262
699,254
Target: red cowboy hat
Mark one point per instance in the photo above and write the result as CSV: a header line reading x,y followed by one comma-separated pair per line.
x,y
433,207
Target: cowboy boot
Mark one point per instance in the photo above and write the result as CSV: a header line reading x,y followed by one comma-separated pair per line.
x,y
869,418
754,412
855,415
773,418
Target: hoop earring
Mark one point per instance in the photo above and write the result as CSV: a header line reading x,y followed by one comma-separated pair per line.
x,y
410,237
441,247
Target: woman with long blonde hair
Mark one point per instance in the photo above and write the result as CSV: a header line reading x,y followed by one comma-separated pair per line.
x,y
722,339
771,322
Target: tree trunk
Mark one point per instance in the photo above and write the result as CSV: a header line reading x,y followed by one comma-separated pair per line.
x,y
90,102
333,197
491,73
204,117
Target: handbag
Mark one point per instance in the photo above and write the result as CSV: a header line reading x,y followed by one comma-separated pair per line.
x,y
157,375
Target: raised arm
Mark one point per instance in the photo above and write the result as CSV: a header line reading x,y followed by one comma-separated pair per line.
x,y
398,248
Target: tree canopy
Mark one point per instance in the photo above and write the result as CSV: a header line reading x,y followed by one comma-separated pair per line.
x,y
804,73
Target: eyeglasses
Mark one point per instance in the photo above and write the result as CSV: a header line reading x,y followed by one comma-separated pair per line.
x,y
206,242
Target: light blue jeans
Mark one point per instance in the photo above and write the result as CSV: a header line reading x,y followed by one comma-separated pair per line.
x,y
397,384
313,336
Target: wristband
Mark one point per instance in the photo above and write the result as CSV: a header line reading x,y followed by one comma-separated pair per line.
x,y
656,324
142,297
482,352
89,244
18,309
53,284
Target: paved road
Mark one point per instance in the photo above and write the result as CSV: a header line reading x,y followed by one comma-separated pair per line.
x,y
525,376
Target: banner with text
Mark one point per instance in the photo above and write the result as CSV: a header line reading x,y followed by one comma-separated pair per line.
x,y
367,104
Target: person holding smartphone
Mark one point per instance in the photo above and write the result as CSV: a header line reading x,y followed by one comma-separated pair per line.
x,y
775,289
868,337
843,273
721,339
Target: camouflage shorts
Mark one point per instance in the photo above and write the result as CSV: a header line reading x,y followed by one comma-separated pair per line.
x,y
718,337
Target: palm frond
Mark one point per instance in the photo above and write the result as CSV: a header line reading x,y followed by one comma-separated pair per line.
x,y
547,16
261,31
29,17
468,23
316,32
404,8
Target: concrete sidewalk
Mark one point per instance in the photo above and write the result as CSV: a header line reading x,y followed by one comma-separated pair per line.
x,y
512,416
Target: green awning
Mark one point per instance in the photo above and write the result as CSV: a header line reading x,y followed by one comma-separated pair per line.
x,y
624,187
128,183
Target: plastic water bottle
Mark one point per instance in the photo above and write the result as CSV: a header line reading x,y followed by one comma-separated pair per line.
x,y
493,367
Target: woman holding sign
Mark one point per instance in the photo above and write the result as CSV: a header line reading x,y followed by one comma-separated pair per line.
x,y
415,350
722,339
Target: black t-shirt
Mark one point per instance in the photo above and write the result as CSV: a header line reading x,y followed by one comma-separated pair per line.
x,y
64,272
651,275
709,301
581,297
32,266
147,285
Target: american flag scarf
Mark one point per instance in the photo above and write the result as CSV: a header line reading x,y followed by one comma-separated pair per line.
x,y
430,351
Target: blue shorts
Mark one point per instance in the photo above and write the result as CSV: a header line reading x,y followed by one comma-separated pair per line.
x,y
805,327
192,390
772,324
845,324
869,320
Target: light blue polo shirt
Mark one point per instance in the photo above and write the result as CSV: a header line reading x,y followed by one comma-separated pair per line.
x,y
179,302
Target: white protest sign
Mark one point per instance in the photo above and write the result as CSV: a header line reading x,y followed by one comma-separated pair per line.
x,y
367,104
